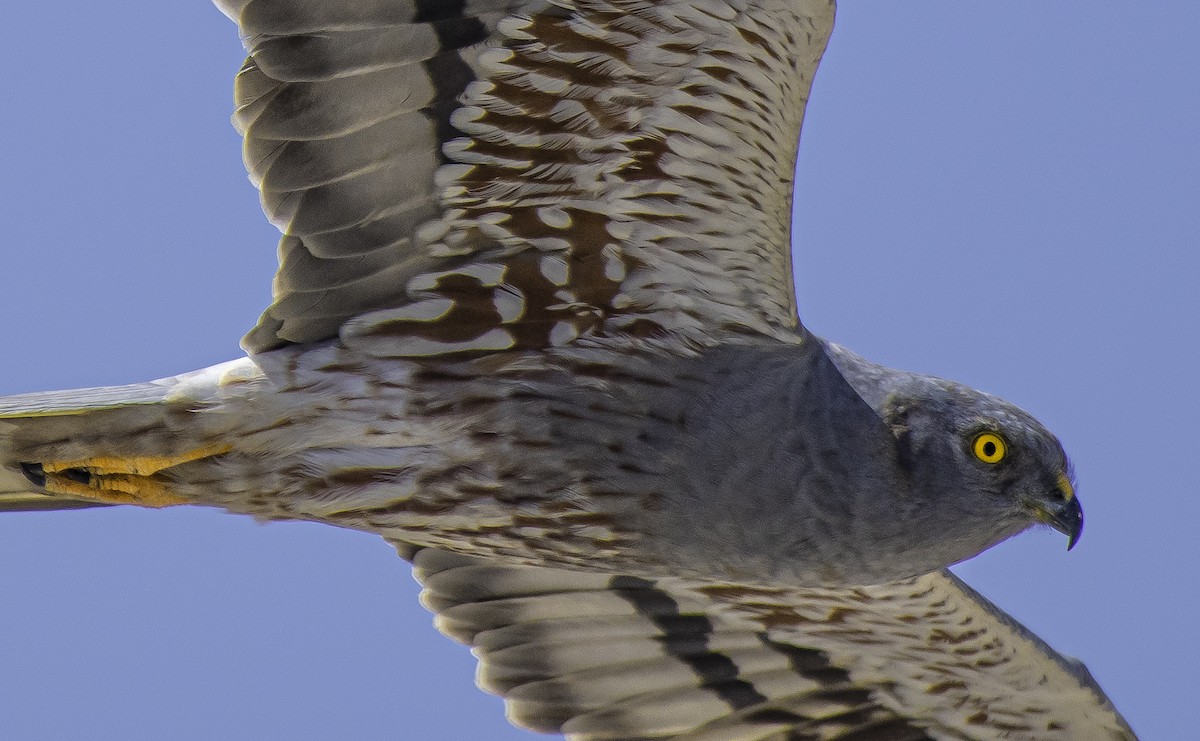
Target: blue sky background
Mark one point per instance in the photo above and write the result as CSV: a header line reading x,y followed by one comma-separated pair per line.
x,y
1001,193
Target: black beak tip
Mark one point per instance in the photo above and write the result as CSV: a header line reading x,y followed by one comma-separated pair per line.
x,y
1064,515
1069,521
1073,538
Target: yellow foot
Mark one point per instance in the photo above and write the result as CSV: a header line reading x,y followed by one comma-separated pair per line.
x,y
116,480
114,489
137,466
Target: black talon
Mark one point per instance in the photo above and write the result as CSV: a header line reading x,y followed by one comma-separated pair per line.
x,y
78,475
34,472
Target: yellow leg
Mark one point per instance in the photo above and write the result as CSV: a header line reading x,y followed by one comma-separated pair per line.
x,y
121,480
137,466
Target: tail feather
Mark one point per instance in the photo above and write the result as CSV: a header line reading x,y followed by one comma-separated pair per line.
x,y
77,423
29,501
82,401
19,487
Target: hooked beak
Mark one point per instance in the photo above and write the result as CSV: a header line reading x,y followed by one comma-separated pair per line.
x,y
1062,511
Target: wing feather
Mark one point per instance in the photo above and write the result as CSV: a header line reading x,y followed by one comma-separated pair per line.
x,y
623,166
596,657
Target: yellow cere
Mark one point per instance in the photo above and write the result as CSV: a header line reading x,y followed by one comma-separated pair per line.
x,y
989,447
1064,485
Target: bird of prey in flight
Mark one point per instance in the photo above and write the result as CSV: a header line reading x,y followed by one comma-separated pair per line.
x,y
534,324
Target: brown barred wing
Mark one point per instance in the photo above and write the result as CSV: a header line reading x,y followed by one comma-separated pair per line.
x,y
474,175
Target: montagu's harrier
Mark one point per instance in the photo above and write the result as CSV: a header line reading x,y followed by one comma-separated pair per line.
x,y
534,324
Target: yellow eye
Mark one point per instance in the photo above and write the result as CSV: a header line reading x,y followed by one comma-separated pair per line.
x,y
989,447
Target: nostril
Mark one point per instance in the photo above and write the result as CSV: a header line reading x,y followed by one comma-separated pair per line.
x,y
34,472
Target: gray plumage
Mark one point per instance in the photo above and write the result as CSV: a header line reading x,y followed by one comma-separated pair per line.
x,y
534,324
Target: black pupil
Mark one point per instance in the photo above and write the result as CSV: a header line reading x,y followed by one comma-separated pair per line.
x,y
989,448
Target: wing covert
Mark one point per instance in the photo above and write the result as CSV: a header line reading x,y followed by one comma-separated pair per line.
x,y
492,174
596,656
